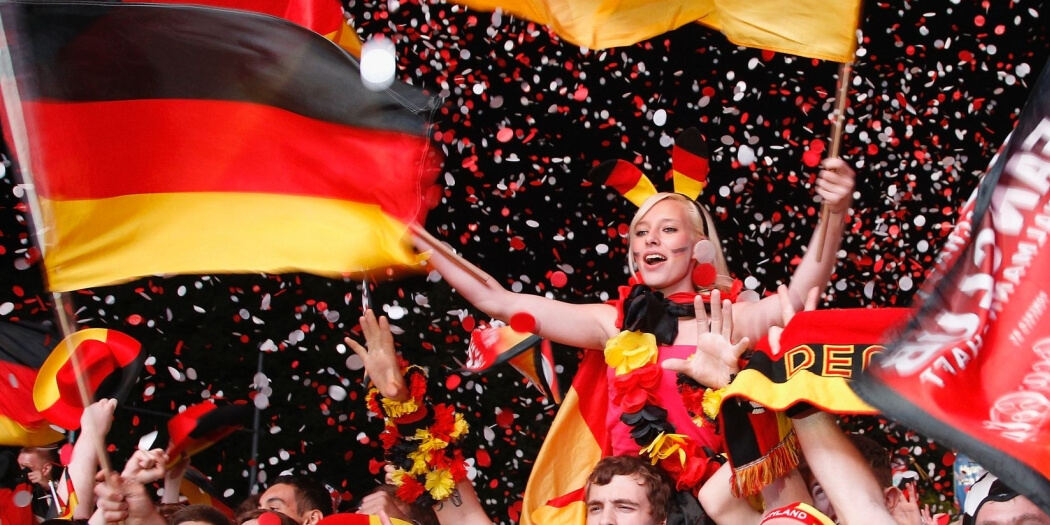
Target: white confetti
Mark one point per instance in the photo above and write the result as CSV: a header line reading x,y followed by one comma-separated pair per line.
x,y
146,441
660,117
378,63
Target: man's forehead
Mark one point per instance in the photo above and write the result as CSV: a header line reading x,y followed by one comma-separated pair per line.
x,y
281,491
1016,511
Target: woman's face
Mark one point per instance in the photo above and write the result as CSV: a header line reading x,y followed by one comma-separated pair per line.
x,y
662,247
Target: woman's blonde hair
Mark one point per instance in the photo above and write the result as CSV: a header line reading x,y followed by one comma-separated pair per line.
x,y
700,223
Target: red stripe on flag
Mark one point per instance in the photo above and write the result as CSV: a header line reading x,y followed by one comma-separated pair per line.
x,y
592,378
572,497
97,150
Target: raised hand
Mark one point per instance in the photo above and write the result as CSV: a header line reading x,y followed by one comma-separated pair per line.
x,y
787,311
379,358
835,184
716,359
145,466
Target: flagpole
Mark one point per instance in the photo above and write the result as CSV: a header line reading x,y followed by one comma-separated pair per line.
x,y
456,259
837,118
253,471
20,136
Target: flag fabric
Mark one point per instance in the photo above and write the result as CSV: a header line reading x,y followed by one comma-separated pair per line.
x,y
529,354
324,17
554,494
172,139
824,29
821,352
23,349
972,369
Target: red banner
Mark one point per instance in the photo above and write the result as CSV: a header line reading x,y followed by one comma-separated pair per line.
x,y
973,368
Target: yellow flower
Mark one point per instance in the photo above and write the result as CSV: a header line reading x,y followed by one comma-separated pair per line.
x,y
440,484
712,402
420,460
665,446
396,477
630,351
460,427
395,409
427,442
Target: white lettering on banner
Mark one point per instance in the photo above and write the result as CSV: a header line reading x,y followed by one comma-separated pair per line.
x,y
1041,133
1030,319
1021,415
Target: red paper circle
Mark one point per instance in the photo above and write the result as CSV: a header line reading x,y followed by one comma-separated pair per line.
x,y
523,322
559,279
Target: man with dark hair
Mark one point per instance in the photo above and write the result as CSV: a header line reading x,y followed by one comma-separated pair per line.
x,y
991,502
627,490
305,500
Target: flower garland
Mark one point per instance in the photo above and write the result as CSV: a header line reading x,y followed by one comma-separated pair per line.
x,y
420,441
634,355
702,402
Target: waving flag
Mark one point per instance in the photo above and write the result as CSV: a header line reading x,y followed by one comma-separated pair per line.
x,y
973,368
324,17
171,139
527,353
554,494
811,28
23,349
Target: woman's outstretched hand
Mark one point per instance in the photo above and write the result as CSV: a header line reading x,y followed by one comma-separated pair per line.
x,y
716,359
379,358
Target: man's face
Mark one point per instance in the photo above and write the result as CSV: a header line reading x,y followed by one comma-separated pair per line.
x,y
820,499
281,498
1017,511
38,469
623,501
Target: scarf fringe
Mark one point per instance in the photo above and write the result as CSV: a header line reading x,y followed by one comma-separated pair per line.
x,y
750,479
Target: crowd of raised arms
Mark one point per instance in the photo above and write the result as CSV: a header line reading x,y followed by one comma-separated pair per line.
x,y
692,328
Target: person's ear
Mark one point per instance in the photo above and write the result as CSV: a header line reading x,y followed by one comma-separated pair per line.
x,y
312,517
892,497
46,469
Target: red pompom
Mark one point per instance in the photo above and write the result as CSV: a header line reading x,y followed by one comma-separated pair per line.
x,y
704,274
269,518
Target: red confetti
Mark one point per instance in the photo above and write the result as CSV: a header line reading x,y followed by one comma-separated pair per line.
x,y
523,322
453,381
559,279
504,135
134,319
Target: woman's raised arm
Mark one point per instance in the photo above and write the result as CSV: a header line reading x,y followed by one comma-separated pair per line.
x,y
579,325
835,184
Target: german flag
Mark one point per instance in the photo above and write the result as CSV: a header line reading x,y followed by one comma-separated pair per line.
x,y
23,349
170,139
554,494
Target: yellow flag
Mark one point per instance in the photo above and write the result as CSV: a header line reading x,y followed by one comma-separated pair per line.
x,y
823,29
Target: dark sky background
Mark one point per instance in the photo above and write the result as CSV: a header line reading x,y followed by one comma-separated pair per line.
x,y
936,89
